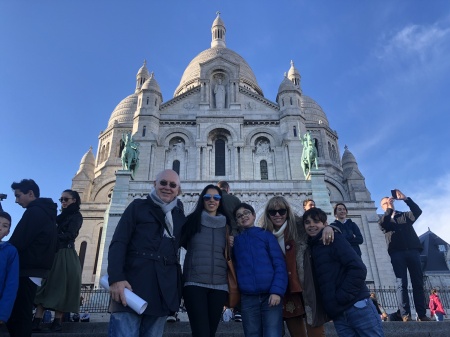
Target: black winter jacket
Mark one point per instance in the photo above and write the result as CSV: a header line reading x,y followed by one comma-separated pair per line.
x,y
141,255
69,223
35,238
340,274
399,230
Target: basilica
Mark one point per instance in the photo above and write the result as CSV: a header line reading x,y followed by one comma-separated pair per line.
x,y
219,126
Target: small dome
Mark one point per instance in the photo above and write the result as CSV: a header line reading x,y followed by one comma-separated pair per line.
x,y
293,72
124,111
87,163
151,84
218,21
286,85
143,71
348,158
313,111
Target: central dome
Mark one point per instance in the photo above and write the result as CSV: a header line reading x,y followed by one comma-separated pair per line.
x,y
191,75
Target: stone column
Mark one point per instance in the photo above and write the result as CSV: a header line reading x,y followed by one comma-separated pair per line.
x,y
119,201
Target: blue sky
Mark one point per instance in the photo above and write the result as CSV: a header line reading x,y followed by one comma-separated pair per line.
x,y
379,69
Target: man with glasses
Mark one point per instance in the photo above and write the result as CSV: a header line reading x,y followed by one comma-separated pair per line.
x,y
143,258
35,239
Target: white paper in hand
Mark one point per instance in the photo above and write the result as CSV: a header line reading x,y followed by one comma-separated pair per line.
x,y
133,301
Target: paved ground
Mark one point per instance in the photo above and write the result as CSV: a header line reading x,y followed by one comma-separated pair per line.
x,y
234,329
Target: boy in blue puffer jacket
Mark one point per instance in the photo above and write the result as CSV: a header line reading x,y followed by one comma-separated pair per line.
x,y
341,275
261,275
9,270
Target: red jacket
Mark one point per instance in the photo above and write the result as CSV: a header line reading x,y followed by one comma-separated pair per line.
x,y
436,305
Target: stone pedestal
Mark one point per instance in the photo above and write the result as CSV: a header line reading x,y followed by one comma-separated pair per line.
x,y
320,193
119,201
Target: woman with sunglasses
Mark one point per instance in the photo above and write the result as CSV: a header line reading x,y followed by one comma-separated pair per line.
x,y
205,269
60,291
293,241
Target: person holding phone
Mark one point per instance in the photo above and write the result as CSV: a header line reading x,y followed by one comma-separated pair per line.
x,y
404,248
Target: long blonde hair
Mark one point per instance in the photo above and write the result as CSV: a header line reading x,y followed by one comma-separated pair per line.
x,y
280,202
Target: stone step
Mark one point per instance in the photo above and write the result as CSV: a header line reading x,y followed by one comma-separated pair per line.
x,y
234,329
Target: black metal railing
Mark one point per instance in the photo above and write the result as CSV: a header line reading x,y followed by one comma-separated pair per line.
x,y
97,300
387,298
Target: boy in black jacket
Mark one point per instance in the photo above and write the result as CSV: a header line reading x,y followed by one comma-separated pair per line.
x,y
341,274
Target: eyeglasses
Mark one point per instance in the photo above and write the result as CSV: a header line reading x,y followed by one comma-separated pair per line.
x,y
216,197
64,199
273,212
165,182
244,213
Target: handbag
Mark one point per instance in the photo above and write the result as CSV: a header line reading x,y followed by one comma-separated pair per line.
x,y
234,296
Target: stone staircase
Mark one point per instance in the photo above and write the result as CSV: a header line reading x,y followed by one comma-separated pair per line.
x,y
234,329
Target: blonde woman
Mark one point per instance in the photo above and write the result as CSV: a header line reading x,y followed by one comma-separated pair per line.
x,y
292,238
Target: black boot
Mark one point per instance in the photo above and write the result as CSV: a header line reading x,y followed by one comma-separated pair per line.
x,y
56,325
36,326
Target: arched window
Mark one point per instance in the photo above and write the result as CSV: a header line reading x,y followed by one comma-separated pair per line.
x,y
106,151
316,145
263,169
82,253
290,99
282,102
144,129
329,151
148,100
220,157
176,166
102,154
97,251
295,131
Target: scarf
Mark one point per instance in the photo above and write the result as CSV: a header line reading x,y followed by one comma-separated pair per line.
x,y
65,212
211,221
280,236
167,209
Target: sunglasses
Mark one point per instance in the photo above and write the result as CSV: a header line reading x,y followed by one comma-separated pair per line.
x,y
165,182
64,199
216,197
244,213
273,212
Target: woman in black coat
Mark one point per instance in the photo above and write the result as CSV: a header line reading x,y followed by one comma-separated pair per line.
x,y
60,291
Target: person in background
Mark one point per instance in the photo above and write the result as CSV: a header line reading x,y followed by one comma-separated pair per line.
x,y
280,219
9,269
205,268
35,239
436,308
341,275
61,290
380,310
262,276
404,248
142,257
308,203
348,228
229,203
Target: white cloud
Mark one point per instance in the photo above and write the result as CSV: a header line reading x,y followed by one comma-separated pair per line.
x,y
417,40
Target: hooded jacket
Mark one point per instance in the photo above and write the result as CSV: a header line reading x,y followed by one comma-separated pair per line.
x,y
9,281
35,238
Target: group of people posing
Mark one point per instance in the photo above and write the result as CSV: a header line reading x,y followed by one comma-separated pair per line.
x,y
40,265
290,268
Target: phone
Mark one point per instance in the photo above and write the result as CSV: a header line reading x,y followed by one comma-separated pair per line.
x,y
394,194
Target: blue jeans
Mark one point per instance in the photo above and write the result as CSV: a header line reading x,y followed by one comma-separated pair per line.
x,y
403,261
130,324
258,319
361,319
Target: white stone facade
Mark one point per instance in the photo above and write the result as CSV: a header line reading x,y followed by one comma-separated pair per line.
x,y
219,126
